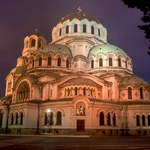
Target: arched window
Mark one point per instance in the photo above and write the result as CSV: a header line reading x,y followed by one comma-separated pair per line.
x,y
84,28
110,62
92,63
12,119
100,62
60,32
67,63
59,118
99,32
119,62
84,91
92,29
76,91
91,92
32,42
75,28
26,44
39,43
45,119
67,29
108,119
16,119
48,119
68,92
50,116
40,61
137,120
1,119
49,61
33,63
101,119
21,118
59,61
126,63
148,120
114,120
23,91
143,120
141,93
129,93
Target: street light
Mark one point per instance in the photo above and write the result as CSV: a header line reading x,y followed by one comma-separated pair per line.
x,y
48,110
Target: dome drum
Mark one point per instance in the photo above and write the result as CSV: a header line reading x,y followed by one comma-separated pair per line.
x,y
79,24
110,56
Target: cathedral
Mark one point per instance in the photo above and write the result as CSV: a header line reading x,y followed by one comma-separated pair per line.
x,y
78,83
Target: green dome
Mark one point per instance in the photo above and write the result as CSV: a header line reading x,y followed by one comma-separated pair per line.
x,y
106,49
58,48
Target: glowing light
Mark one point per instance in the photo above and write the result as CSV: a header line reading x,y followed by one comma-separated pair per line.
x,y
48,110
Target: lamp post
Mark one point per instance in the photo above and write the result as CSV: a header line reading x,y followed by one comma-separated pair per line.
x,y
49,118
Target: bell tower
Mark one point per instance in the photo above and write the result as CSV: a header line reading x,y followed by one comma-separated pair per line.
x,y
33,42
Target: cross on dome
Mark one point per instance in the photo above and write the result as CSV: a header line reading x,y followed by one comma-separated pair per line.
x,y
79,9
36,30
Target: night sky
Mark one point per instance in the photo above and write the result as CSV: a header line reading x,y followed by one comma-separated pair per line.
x,y
20,17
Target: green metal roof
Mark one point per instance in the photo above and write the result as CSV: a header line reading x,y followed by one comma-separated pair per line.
x,y
106,49
58,48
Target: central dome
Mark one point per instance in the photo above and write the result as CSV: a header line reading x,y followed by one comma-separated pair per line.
x,y
80,15
79,24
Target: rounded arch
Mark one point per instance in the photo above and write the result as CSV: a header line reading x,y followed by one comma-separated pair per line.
x,y
83,102
80,109
143,120
32,42
129,93
92,63
61,110
141,90
21,115
59,61
137,120
23,91
40,61
80,99
67,63
110,60
11,118
95,81
59,118
40,43
101,118
48,116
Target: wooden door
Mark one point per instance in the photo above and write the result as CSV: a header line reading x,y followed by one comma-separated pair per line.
x,y
80,125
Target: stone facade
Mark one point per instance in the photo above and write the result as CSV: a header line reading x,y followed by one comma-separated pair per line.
x,y
78,83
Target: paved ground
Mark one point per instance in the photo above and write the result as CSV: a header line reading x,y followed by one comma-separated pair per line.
x,y
73,143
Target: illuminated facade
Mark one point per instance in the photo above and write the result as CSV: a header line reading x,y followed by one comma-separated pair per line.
x,y
76,83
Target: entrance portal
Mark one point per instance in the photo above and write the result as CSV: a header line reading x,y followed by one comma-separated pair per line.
x,y
80,125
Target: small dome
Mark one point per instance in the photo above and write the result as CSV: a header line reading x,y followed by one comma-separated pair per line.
x,y
18,70
35,32
80,15
106,49
58,48
33,42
